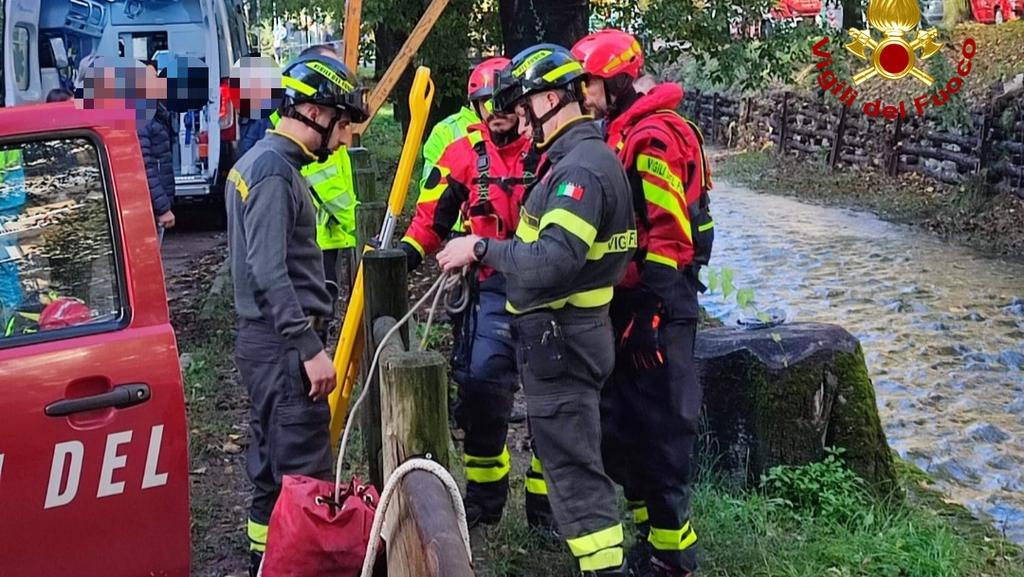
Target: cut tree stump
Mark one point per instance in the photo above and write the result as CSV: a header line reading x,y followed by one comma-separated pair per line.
x,y
780,396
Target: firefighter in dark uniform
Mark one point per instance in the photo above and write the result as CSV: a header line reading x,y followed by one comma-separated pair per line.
x,y
483,176
280,294
575,237
651,405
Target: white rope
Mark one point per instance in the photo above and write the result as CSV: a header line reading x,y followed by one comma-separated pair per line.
x,y
444,283
389,490
373,366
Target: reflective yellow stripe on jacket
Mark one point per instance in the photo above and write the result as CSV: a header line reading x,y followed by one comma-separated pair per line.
x,y
529,231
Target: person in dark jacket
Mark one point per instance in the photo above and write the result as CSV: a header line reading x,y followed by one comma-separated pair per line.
x,y
155,141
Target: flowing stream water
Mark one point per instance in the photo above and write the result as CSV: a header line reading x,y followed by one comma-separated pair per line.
x,y
942,328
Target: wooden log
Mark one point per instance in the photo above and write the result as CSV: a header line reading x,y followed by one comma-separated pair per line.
x,y
815,132
808,148
386,288
968,142
780,396
940,175
424,539
1009,146
965,160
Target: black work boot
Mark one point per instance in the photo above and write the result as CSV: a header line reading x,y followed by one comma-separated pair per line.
x,y
610,572
540,518
255,558
655,567
476,515
639,555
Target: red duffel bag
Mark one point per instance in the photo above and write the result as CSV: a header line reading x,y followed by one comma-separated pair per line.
x,y
311,535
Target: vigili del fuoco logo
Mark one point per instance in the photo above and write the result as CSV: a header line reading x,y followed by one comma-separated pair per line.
x,y
893,57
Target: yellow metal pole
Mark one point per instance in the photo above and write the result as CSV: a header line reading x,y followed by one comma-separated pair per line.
x,y
349,351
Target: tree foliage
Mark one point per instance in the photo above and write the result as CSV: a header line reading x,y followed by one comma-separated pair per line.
x,y
730,43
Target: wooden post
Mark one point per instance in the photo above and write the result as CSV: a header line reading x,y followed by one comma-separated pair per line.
x,y
984,141
837,142
353,21
784,123
894,147
369,218
424,539
414,407
696,110
386,288
714,117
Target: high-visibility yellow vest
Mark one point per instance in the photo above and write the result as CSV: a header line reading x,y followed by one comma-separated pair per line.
x,y
334,195
335,198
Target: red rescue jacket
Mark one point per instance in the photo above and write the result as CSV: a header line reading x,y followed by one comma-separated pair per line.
x,y
663,155
478,179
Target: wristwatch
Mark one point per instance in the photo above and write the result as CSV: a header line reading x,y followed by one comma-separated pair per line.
x,y
480,249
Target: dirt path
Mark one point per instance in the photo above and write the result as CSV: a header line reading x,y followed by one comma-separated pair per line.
x,y
216,403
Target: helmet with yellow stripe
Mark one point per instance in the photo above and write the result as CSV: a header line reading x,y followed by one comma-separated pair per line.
x,y
324,81
537,69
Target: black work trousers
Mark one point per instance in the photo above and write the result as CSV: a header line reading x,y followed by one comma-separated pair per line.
x,y
650,421
484,366
289,433
564,359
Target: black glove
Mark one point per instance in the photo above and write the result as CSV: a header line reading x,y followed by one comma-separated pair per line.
x,y
641,342
413,258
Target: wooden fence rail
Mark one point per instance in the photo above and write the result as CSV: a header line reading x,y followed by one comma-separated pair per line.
x,y
990,148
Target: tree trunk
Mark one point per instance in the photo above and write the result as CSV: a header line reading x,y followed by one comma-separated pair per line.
x,y
853,14
528,22
389,42
781,396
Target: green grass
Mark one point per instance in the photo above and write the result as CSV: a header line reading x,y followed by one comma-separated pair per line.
x,y
756,533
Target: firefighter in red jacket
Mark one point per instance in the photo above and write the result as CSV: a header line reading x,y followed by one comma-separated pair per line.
x,y
482,176
651,405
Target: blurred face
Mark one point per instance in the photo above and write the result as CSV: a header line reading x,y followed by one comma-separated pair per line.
x,y
596,101
259,86
155,88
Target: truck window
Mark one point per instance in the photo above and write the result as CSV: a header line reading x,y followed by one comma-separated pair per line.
x,y
59,273
20,44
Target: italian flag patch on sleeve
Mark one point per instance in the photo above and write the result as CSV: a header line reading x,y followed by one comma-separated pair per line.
x,y
573,191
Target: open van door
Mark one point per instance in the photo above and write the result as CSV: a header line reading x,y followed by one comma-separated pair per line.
x,y
213,43
21,82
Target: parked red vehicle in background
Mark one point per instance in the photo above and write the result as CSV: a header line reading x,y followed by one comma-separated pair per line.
x,y
994,11
93,441
796,9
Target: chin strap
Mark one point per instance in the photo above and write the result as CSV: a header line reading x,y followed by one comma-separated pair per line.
x,y
537,124
323,152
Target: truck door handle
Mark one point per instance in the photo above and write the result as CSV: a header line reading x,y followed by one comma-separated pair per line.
x,y
118,398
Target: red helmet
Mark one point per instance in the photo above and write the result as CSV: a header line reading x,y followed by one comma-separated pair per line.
x,y
608,53
64,312
481,79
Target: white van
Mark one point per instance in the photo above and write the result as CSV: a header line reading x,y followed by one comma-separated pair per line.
x,y
44,40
